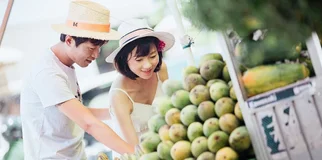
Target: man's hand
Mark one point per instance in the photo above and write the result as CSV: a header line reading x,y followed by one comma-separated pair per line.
x,y
84,118
102,156
138,153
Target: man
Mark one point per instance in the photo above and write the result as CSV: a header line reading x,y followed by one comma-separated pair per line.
x,y
53,116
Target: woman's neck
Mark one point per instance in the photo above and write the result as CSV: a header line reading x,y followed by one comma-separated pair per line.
x,y
139,81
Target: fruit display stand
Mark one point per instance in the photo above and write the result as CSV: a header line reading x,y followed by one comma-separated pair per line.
x,y
284,123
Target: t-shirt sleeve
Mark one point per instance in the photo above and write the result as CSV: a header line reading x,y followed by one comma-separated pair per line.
x,y
52,87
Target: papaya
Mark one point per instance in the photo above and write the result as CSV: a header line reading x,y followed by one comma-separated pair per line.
x,y
249,53
264,78
271,49
308,63
277,48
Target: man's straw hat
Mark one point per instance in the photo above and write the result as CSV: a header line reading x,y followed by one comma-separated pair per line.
x,y
138,28
88,20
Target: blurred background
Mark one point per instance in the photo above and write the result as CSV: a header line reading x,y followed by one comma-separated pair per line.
x,y
26,32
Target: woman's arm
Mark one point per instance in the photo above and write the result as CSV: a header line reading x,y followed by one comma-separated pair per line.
x,y
121,107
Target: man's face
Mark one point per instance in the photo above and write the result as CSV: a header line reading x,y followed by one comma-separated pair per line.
x,y
84,53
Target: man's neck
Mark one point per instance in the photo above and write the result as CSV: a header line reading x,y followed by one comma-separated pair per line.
x,y
61,53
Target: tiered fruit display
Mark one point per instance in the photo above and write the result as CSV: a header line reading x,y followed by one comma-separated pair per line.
x,y
199,119
296,19
287,24
271,62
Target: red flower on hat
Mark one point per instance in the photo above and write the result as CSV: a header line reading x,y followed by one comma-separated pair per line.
x,y
161,45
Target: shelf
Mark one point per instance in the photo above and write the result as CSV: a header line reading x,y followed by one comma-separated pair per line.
x,y
291,91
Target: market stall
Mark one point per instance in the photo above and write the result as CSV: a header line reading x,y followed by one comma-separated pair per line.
x,y
259,99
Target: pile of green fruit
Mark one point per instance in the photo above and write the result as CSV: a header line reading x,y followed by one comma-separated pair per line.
x,y
199,119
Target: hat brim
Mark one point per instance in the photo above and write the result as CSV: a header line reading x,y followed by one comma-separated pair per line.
x,y
167,38
62,28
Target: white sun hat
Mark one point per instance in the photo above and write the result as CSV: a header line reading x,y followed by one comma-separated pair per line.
x,y
138,28
87,19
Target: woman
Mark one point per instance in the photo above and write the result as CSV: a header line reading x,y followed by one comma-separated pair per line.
x,y
142,71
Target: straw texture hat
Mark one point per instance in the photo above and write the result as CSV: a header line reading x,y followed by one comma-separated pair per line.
x,y
138,28
89,20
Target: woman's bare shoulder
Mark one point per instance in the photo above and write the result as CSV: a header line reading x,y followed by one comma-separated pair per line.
x,y
163,73
118,96
118,82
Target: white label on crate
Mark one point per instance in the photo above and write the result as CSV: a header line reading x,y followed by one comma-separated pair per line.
x,y
279,94
271,134
301,88
263,101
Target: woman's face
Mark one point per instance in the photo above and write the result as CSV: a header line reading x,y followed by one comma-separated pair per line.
x,y
144,66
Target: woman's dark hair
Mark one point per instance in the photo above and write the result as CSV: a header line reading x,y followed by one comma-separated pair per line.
x,y
143,49
80,40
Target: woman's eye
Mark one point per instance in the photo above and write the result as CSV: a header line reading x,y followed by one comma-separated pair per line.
x,y
153,56
139,60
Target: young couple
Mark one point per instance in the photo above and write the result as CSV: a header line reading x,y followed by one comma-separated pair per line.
x,y
53,117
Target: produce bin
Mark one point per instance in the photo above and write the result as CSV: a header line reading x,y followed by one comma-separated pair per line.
x,y
284,123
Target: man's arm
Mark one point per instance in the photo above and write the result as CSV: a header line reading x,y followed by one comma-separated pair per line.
x,y
82,116
101,113
58,92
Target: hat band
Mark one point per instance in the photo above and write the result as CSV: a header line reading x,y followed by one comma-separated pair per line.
x,y
134,34
89,26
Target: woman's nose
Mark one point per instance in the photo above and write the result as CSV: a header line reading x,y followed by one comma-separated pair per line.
x,y
147,64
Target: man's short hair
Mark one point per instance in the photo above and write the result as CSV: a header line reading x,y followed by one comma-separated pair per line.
x,y
80,40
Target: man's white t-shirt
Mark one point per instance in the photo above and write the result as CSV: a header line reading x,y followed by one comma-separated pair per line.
x,y
47,132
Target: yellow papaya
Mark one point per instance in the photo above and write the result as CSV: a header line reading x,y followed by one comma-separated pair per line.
x,y
264,78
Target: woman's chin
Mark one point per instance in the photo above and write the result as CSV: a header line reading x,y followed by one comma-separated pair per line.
x,y
146,75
